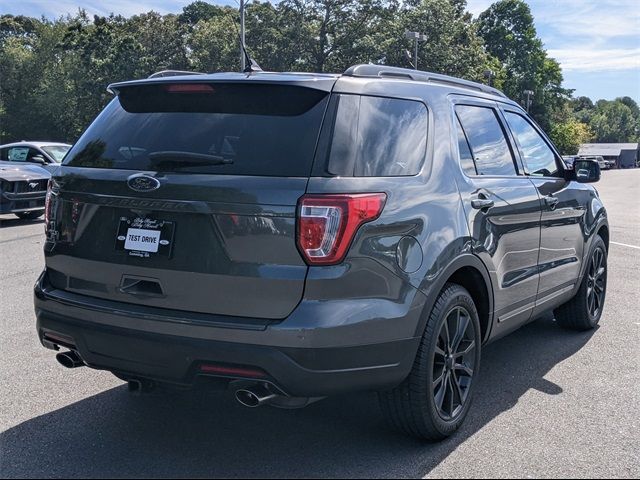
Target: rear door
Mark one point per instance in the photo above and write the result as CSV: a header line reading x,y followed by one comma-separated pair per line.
x,y
183,196
503,209
564,205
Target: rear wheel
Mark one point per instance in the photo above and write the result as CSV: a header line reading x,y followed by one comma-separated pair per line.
x,y
434,399
30,215
583,311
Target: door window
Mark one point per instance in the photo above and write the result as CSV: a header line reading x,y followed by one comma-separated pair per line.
x,y
486,137
466,157
538,157
18,154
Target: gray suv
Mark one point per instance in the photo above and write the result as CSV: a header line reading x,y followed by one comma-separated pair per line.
x,y
294,236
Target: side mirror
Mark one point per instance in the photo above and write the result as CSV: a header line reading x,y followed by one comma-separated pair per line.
x,y
585,171
38,159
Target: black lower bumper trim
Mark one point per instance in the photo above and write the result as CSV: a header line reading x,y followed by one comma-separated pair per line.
x,y
299,372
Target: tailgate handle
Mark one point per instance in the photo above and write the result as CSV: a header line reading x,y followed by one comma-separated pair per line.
x,y
141,286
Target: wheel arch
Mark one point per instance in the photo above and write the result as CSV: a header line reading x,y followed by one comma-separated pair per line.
x,y
469,272
603,232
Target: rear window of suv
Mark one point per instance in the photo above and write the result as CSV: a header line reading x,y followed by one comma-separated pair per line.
x,y
227,129
366,136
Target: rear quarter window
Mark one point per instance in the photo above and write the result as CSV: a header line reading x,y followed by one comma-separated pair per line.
x,y
366,136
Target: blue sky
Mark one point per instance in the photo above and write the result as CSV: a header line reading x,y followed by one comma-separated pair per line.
x,y
597,42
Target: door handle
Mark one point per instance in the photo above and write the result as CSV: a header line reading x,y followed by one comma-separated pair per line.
x,y
551,201
482,203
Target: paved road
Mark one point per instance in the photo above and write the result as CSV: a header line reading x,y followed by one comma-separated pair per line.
x,y
549,402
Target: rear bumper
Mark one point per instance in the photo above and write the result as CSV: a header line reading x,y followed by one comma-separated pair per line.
x,y
301,363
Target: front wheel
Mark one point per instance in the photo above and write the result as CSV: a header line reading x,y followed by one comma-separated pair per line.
x,y
583,311
434,399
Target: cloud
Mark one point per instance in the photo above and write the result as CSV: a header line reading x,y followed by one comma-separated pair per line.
x,y
595,19
586,35
594,60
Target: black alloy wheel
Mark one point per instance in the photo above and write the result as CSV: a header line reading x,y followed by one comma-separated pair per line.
x,y
454,362
596,282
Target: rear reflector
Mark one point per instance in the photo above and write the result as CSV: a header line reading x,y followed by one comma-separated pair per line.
x,y
59,338
189,88
233,371
328,223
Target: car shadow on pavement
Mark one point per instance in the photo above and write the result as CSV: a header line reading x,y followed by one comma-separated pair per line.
x,y
11,221
186,435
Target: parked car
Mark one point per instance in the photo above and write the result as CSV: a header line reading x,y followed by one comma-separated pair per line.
x,y
569,159
46,154
295,236
22,190
604,165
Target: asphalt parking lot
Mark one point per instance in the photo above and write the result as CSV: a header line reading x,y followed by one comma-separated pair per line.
x,y
550,403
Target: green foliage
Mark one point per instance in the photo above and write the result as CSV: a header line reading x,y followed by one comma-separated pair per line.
x,y
54,74
509,33
567,136
614,122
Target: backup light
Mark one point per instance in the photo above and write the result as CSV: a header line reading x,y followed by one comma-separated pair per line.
x,y
328,223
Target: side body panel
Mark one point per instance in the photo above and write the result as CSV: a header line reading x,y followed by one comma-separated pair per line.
x,y
422,232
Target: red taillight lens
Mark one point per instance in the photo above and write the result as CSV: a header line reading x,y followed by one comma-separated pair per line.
x,y
189,88
328,223
47,207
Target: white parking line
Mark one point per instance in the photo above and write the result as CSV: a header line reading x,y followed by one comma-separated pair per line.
x,y
626,245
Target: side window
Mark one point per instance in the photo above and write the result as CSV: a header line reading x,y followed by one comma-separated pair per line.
x,y
466,158
377,137
536,154
18,154
486,138
3,154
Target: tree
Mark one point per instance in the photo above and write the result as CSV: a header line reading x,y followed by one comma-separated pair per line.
x,y
213,43
613,122
199,10
509,33
567,136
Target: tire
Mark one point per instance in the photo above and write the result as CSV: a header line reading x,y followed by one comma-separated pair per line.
x,y
583,312
30,215
413,406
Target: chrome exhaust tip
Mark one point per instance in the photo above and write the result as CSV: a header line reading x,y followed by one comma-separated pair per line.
x,y
69,359
254,397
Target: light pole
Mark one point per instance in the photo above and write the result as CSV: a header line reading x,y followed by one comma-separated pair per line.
x,y
242,59
489,75
529,95
418,37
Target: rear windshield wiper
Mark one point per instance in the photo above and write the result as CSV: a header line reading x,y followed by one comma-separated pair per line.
x,y
178,159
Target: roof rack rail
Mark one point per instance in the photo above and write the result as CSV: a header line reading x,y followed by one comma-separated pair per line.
x,y
368,70
172,73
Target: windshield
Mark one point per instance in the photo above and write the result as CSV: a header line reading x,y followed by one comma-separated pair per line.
x,y
57,152
227,129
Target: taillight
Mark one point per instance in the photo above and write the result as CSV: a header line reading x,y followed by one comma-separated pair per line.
x,y
47,206
328,223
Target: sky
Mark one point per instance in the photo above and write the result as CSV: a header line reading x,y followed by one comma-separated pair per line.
x,y
597,42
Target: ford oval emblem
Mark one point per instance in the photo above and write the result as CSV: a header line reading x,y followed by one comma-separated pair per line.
x,y
143,183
